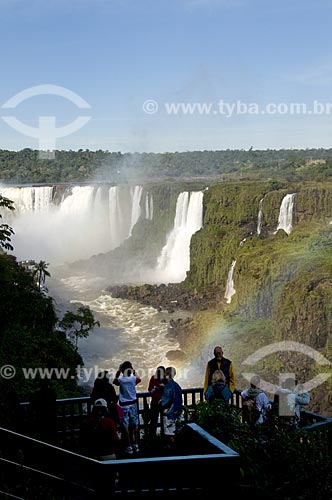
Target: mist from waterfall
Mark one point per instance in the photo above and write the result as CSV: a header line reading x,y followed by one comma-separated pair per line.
x,y
66,224
73,224
174,261
285,220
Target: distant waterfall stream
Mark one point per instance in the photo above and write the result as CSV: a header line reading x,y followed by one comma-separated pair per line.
x,y
285,220
230,290
260,216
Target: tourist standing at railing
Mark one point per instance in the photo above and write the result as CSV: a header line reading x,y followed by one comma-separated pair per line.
x,y
255,403
103,388
155,388
99,438
43,413
128,401
218,388
220,363
171,403
290,401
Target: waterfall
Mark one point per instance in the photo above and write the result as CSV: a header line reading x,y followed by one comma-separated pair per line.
x,y
260,216
174,260
230,290
62,225
286,213
148,206
29,198
136,195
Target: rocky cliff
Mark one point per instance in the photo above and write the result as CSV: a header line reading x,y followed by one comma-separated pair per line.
x,y
282,282
281,279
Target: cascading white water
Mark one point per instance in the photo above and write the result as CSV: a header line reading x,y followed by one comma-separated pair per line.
x,y
285,220
136,195
87,220
29,198
230,290
149,206
174,260
260,216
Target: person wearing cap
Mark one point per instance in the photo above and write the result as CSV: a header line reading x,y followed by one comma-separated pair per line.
x,y
99,436
261,402
219,363
102,388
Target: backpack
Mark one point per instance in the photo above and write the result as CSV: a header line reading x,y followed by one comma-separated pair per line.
x,y
250,412
221,391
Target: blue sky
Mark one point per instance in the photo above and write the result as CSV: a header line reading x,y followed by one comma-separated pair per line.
x,y
118,54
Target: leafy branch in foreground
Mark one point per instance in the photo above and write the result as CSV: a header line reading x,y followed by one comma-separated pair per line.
x,y
5,230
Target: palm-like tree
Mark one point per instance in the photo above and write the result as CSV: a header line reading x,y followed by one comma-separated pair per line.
x,y
40,272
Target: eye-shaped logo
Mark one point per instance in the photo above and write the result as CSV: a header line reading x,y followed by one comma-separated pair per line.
x,y
287,346
46,132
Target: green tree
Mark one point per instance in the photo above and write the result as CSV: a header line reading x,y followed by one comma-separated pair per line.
x,y
78,325
40,272
5,230
29,337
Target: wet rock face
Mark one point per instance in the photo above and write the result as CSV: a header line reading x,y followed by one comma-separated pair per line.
x,y
176,355
163,297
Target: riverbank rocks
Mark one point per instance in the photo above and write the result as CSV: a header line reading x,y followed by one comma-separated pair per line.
x,y
163,297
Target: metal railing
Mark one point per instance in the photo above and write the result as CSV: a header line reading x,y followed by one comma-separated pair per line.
x,y
71,412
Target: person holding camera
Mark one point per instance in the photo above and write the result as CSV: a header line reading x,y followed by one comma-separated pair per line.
x,y
128,401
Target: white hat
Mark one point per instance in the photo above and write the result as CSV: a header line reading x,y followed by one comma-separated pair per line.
x,y
100,402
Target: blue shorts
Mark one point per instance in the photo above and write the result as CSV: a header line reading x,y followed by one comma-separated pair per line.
x,y
130,415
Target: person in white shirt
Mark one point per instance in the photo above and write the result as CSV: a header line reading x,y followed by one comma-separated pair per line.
x,y
291,400
128,401
261,402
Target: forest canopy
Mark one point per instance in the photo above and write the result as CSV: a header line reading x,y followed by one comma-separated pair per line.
x,y
25,166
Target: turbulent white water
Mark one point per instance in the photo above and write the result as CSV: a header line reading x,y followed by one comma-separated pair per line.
x,y
128,331
174,260
285,220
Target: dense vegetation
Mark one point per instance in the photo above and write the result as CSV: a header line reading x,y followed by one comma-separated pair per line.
x,y
83,165
277,460
31,335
